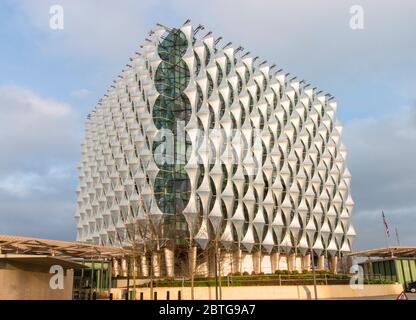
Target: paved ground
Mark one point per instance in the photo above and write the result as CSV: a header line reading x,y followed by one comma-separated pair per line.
x,y
411,296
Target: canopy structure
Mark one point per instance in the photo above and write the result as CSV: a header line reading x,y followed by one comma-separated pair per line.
x,y
57,248
387,252
41,260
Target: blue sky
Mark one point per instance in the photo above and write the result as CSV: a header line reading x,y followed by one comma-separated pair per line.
x,y
51,79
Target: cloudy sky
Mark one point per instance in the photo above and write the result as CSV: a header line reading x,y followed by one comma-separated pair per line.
x,y
50,80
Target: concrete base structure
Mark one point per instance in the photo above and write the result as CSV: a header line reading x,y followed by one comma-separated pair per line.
x,y
237,261
135,265
283,265
274,261
156,264
306,262
321,263
226,263
116,268
269,292
247,263
333,266
291,262
257,262
124,267
170,262
163,263
144,266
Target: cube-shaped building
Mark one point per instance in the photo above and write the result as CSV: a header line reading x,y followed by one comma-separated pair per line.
x,y
200,150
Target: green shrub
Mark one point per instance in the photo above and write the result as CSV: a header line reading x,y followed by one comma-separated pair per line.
x,y
284,272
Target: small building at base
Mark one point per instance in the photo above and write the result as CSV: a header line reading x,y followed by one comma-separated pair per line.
x,y
391,263
45,269
36,277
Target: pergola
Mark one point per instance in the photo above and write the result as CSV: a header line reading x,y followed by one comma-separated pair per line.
x,y
57,248
387,252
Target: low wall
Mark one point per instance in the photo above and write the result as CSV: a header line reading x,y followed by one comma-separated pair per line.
x,y
268,292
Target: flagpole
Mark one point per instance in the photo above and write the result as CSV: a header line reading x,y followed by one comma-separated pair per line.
x,y
386,230
397,237
387,244
386,238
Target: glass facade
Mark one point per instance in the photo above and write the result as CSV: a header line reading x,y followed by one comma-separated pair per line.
x,y
171,112
399,270
94,279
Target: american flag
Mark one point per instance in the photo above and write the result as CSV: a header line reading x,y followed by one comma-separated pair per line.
x,y
386,226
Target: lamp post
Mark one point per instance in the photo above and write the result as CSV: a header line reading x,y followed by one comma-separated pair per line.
x,y
128,278
216,269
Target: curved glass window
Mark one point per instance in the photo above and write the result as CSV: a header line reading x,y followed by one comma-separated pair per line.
x,y
197,64
200,97
172,80
207,54
172,189
220,75
210,85
173,46
172,185
240,84
228,67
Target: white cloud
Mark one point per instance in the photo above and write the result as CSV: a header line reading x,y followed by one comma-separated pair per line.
x,y
24,184
59,172
35,128
40,149
27,102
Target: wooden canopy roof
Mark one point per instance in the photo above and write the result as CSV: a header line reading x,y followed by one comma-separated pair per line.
x,y
37,246
387,252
